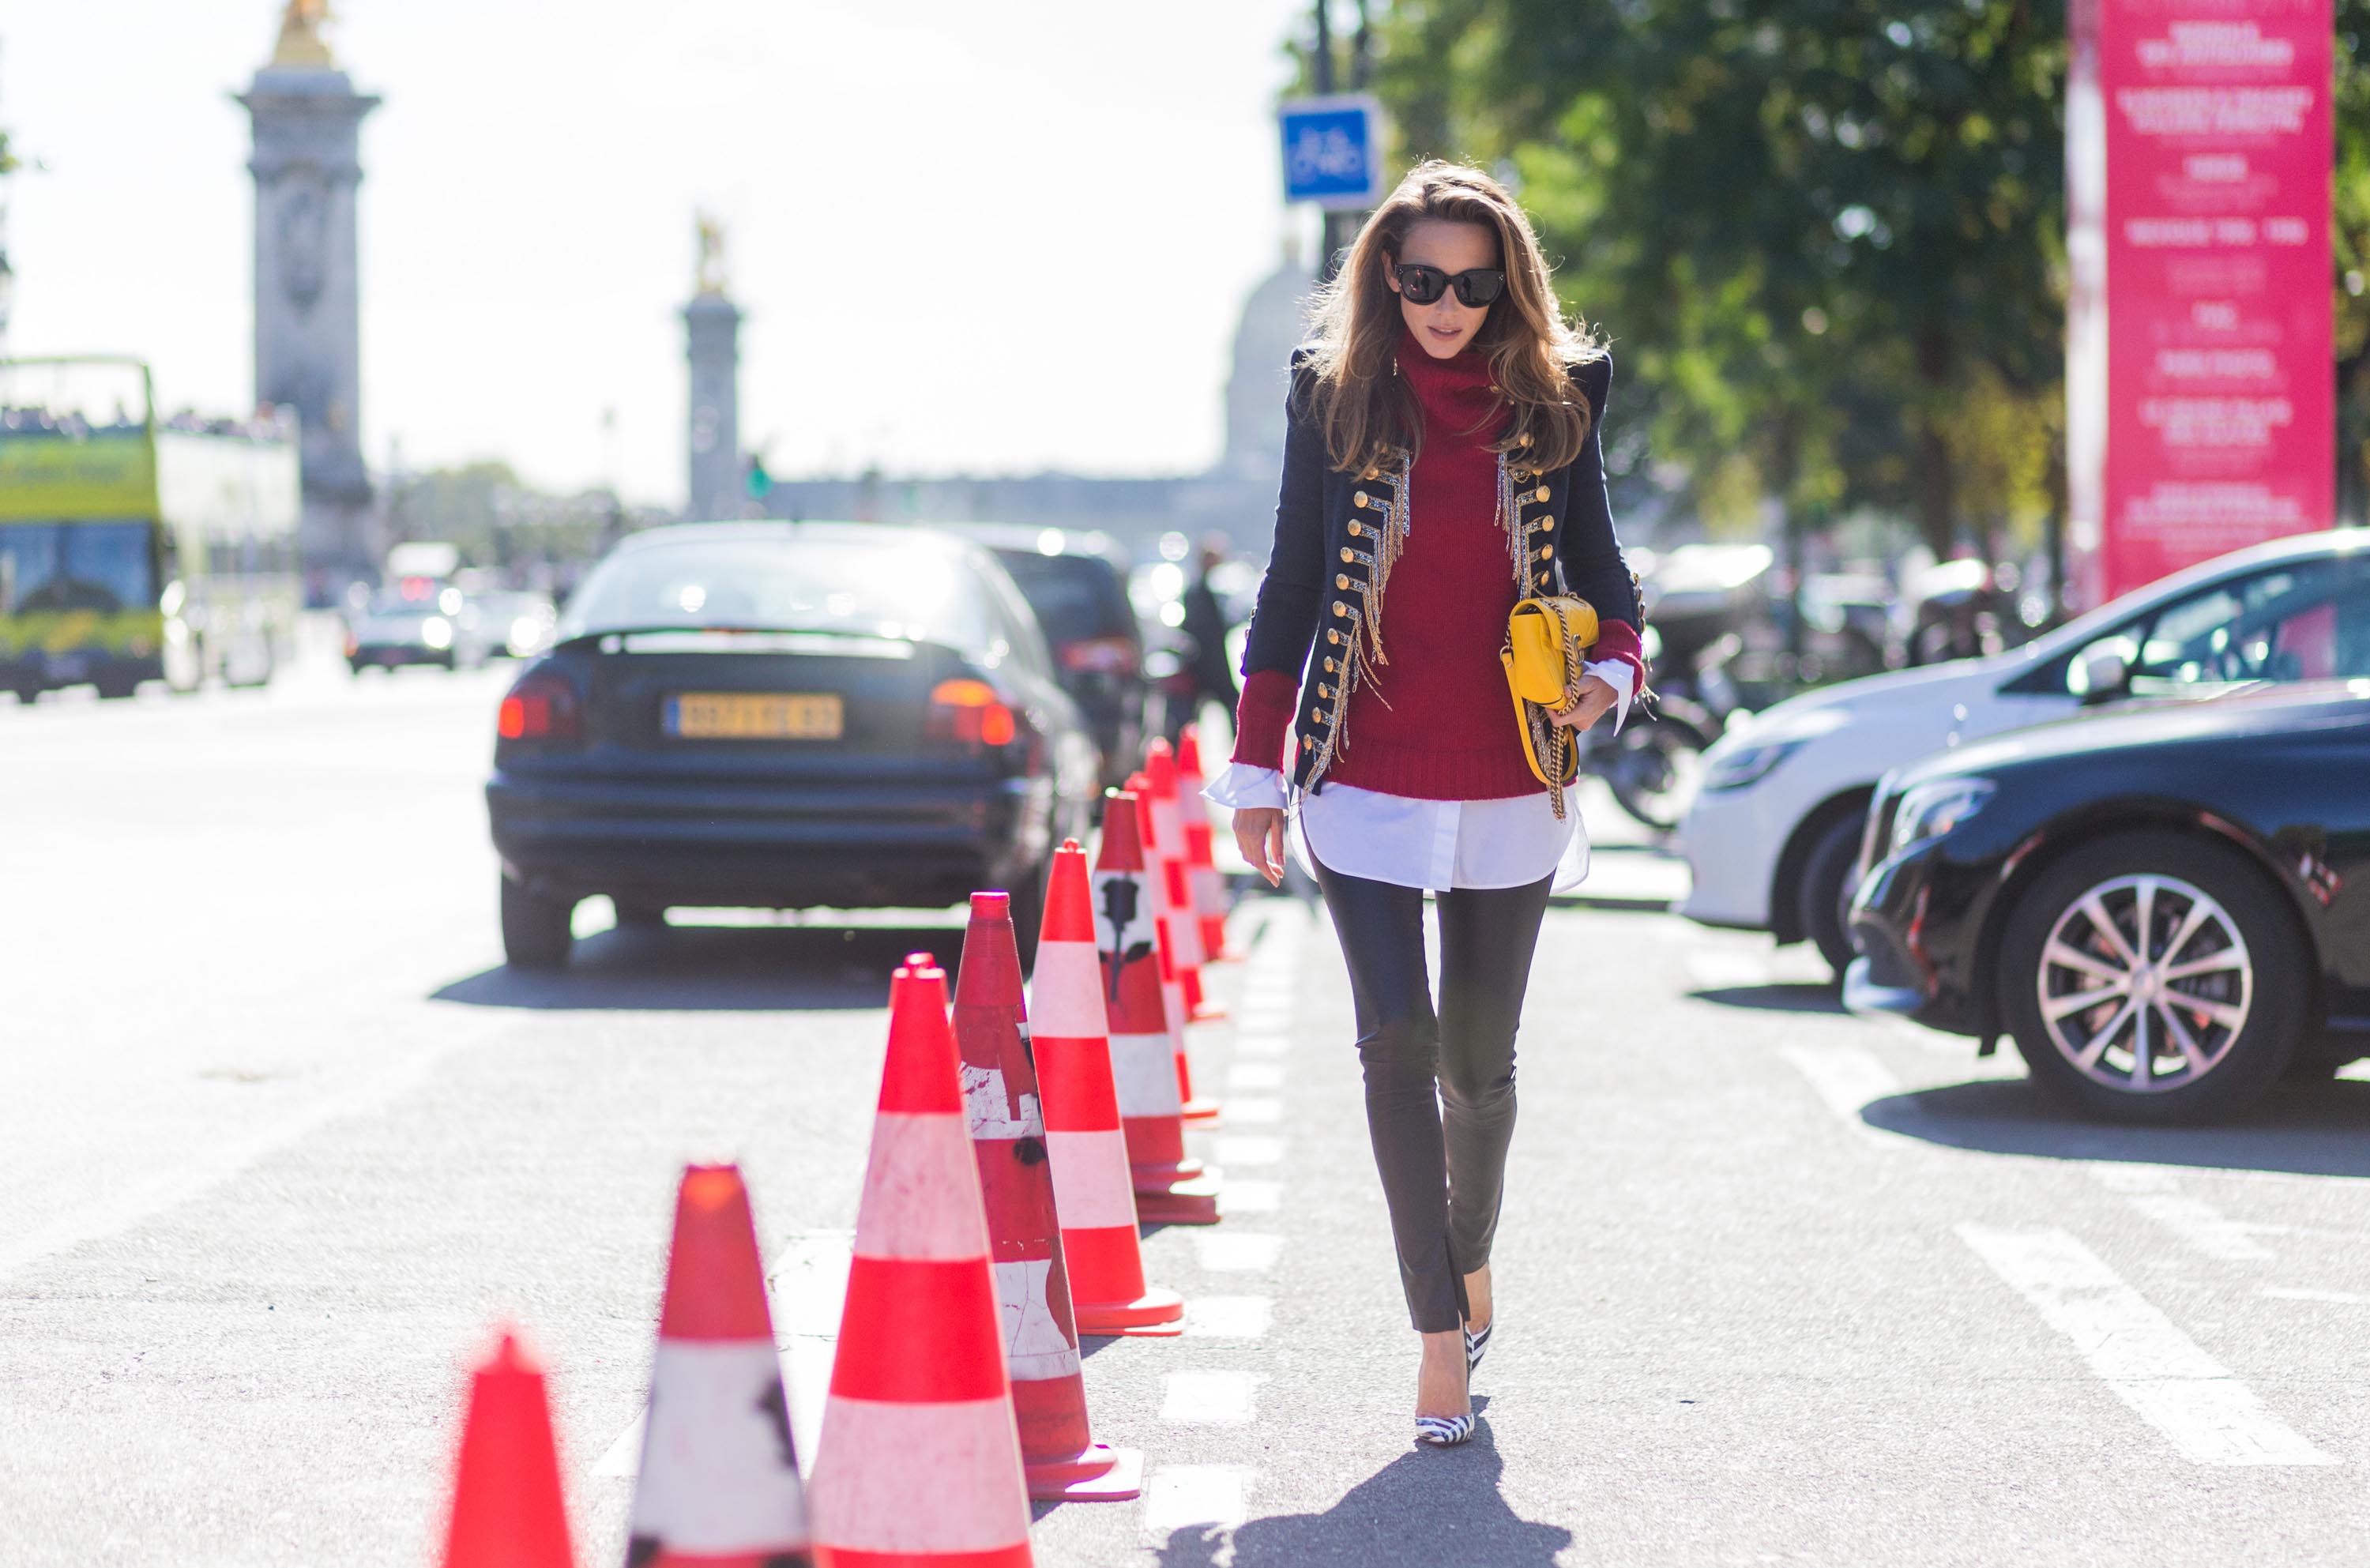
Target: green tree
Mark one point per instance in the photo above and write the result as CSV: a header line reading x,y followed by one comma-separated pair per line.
x,y
2351,237
1827,236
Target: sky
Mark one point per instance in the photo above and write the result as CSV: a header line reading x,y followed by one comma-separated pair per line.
x,y
970,237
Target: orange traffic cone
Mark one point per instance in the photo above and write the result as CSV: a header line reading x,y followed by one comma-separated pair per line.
x,y
1168,848
1202,878
919,1462
1119,998
720,1481
507,1511
1172,991
1024,1237
1083,1135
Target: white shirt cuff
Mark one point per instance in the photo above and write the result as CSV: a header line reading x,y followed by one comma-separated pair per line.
x,y
1244,787
1618,674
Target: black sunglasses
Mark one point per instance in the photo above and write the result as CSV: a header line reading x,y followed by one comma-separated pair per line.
x,y
1424,285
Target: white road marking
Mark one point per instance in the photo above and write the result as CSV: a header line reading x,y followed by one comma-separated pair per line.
x,y
170,1189
1181,1497
1847,1078
1237,1253
2301,1292
1254,1112
1254,1075
808,1283
1208,1399
2210,1416
1227,1317
2155,1191
1261,1044
2203,1228
2119,1178
1250,1197
1234,1151
1719,968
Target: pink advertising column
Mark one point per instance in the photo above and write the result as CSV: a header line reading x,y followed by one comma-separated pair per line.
x,y
2201,395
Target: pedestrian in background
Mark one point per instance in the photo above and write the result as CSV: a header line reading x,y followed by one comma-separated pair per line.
x,y
1207,623
1442,445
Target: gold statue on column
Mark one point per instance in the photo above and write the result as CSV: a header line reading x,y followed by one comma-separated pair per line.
x,y
711,254
301,44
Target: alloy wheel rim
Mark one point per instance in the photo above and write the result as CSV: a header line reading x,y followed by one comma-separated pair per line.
x,y
2145,984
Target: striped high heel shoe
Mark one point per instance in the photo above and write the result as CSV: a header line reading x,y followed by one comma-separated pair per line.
x,y
1448,1431
1477,1344
1444,1431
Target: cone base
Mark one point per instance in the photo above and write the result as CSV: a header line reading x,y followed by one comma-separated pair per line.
x,y
1154,1314
1207,1014
1202,1111
1099,1474
1014,1556
1178,1203
1154,1176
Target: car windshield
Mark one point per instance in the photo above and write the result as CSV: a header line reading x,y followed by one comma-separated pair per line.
x,y
77,566
1074,597
899,587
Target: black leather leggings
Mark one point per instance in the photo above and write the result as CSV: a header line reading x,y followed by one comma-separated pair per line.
x,y
1441,1155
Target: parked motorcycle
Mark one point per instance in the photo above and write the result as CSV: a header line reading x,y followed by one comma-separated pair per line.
x,y
1698,599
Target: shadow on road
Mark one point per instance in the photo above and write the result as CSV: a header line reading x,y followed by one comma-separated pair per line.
x,y
715,969
2311,1130
1430,1505
1792,996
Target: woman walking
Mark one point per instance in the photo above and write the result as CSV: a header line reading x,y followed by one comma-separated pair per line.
x,y
1442,462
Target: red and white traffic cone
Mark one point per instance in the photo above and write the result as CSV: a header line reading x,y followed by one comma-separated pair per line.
x,y
1126,1009
1175,884
507,1508
719,1481
1083,1136
919,1461
1165,922
1207,887
1058,1451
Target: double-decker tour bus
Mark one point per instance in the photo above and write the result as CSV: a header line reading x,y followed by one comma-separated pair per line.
x,y
137,548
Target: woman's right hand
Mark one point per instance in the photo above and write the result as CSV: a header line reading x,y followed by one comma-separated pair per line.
x,y
1258,834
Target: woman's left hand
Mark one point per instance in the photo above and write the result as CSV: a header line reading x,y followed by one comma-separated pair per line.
x,y
1596,700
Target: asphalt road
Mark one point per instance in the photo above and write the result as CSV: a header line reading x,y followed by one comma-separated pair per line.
x,y
283,1138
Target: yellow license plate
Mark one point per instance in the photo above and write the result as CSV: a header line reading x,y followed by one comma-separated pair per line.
x,y
755,716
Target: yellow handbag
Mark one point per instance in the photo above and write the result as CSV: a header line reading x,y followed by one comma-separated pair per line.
x,y
1546,641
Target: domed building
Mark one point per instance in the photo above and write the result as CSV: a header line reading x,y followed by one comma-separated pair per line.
x,y
1276,321
1236,497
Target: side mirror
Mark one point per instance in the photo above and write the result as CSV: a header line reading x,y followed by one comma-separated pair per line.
x,y
2102,673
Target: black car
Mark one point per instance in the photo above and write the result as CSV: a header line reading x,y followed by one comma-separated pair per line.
x,y
784,715
1077,584
2169,909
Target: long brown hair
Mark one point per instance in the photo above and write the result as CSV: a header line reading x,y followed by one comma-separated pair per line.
x,y
1366,412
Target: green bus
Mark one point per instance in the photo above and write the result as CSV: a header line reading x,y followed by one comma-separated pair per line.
x,y
134,547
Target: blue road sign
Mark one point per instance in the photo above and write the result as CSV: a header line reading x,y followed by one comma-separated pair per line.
x,y
1333,150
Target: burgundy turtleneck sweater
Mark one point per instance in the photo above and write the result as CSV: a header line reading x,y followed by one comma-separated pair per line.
x,y
1435,722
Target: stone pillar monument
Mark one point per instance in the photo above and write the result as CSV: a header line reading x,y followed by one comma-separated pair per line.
x,y
307,300
712,329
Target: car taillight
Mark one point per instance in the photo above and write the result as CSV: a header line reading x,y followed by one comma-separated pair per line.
x,y
1101,655
542,707
970,712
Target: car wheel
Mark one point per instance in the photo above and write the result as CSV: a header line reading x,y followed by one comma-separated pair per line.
x,y
1824,889
118,690
537,931
2195,969
266,664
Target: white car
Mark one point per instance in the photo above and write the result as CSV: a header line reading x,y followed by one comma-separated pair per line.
x,y
1774,834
